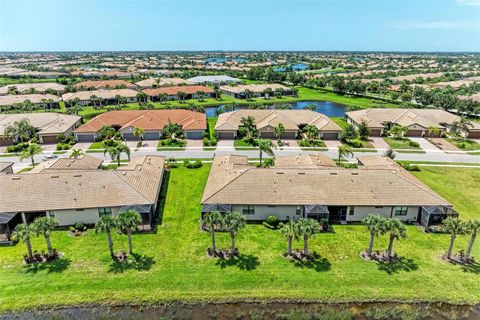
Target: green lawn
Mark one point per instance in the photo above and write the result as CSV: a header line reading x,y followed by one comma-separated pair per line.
x,y
97,146
175,145
403,143
211,121
467,145
239,144
181,270
340,122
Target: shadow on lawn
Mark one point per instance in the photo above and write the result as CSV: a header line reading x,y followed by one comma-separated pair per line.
x,y
158,218
395,266
58,266
471,267
315,262
139,263
242,261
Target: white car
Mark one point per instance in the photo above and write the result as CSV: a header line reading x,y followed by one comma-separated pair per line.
x,y
49,157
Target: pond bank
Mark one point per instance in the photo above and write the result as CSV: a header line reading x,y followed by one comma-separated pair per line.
x,y
259,311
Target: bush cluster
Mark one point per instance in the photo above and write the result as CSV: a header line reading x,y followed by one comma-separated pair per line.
x,y
209,142
192,164
19,147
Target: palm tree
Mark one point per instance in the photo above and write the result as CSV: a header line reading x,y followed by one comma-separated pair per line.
x,y
94,100
172,131
20,129
461,125
76,153
278,92
44,226
162,97
307,228
278,131
267,93
310,132
22,232
32,150
106,224
397,230
453,226
233,222
264,146
138,132
290,232
105,133
248,94
472,227
343,151
433,131
181,95
375,225
116,151
128,221
249,124
200,94
212,220
398,131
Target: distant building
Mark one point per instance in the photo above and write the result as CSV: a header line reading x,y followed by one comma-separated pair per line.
x,y
30,88
49,100
214,80
47,124
151,121
104,97
171,92
105,84
256,90
161,82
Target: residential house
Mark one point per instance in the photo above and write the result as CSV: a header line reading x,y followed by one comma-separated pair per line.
x,y
311,186
76,190
105,84
48,100
47,124
151,121
256,90
104,97
161,82
171,92
30,88
294,121
214,80
417,121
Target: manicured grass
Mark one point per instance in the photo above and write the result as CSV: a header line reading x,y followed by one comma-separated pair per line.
x,y
364,144
460,186
26,169
182,271
315,145
211,121
242,145
340,122
60,152
174,146
467,145
403,143
96,147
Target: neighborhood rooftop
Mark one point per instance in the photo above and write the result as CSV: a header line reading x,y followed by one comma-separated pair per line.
x,y
38,87
102,94
44,122
232,183
171,91
35,98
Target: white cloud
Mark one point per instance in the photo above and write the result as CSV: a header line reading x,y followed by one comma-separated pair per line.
x,y
475,3
448,24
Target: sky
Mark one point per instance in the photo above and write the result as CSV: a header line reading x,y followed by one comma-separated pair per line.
x,y
361,25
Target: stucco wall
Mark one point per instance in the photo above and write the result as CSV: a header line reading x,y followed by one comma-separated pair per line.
x,y
362,212
87,216
262,212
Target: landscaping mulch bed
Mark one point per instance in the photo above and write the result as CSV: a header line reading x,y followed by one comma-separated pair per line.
x,y
300,256
458,258
379,256
41,257
76,233
223,253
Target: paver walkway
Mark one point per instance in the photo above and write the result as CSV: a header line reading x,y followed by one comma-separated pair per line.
x,y
425,144
194,143
379,143
444,145
332,144
225,143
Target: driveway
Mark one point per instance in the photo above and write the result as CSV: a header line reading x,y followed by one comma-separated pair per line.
x,y
49,147
288,143
425,144
444,145
379,144
82,145
194,143
225,143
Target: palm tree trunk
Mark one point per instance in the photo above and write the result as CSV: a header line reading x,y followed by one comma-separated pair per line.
x,y
232,235
110,243
118,159
470,245
130,247
289,246
450,247
261,154
305,245
370,245
29,248
212,234
390,246
49,244
33,162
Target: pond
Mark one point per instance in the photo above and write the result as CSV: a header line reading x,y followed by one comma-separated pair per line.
x,y
328,108
294,67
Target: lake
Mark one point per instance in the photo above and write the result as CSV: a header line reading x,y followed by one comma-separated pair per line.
x,y
328,108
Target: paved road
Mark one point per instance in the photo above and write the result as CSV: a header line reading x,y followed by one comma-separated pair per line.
x,y
429,155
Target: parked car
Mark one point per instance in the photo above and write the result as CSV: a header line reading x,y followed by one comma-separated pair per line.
x,y
49,157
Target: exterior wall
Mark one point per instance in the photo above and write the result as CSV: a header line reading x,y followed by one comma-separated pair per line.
x,y
85,137
48,139
227,135
362,212
262,212
87,216
193,134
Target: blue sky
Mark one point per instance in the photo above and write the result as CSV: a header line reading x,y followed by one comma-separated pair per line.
x,y
449,25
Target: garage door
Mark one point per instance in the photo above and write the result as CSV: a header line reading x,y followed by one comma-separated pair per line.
x,y
129,136
474,135
289,135
225,135
330,136
5,141
375,132
193,135
49,139
267,135
414,133
151,136
85,138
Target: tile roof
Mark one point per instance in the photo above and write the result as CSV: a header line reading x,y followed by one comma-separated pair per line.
x,y
9,100
381,186
291,119
40,87
102,93
135,184
146,119
104,84
256,88
44,122
171,91
162,82
214,78
85,162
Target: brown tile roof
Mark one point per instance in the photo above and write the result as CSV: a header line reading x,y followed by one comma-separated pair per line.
x,y
85,162
35,98
305,161
104,84
44,122
136,184
146,119
231,184
171,91
101,93
291,119
161,82
4,166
